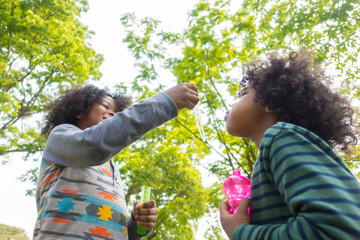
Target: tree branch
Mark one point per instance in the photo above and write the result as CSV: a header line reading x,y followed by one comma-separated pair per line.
x,y
211,80
196,136
228,152
25,106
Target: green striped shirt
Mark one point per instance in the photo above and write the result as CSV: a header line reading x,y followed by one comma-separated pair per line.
x,y
301,189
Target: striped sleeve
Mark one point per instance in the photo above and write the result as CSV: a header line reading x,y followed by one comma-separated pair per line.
x,y
321,193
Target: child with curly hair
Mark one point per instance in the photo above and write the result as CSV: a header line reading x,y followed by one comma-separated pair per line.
x,y
79,193
300,188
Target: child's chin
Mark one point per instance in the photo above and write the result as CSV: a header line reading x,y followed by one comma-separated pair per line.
x,y
232,133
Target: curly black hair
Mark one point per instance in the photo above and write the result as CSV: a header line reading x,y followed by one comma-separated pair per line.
x,y
296,90
79,100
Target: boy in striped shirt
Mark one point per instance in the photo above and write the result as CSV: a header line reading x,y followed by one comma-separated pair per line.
x,y
300,188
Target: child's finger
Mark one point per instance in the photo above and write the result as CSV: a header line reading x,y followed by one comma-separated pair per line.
x,y
192,86
241,212
149,204
137,205
147,208
146,211
244,204
224,208
148,225
151,217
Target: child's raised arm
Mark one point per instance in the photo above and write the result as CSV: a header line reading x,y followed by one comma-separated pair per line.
x,y
70,146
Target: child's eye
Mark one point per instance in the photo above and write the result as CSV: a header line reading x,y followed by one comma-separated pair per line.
x,y
105,106
241,93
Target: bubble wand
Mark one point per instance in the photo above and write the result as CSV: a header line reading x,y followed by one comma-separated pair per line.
x,y
199,123
145,196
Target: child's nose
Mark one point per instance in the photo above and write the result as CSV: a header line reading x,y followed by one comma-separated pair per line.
x,y
110,114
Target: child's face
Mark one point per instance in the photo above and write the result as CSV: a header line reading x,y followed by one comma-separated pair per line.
x,y
248,118
98,113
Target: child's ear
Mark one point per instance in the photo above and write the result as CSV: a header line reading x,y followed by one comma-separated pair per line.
x,y
78,116
268,110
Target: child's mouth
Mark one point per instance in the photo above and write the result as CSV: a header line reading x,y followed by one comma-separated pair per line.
x,y
226,114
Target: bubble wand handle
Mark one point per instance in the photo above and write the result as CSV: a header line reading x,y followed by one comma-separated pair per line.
x,y
145,196
199,124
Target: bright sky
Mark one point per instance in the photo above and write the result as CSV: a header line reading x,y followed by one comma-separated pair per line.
x,y
103,17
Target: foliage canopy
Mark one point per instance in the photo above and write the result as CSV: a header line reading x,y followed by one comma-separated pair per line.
x,y
14,233
43,49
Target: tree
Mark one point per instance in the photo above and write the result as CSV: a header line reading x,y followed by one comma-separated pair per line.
x,y
158,160
14,233
217,41
43,50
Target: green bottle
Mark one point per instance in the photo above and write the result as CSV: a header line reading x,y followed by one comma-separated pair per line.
x,y
145,196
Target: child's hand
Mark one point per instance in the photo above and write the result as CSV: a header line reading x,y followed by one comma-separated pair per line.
x,y
146,214
230,221
185,95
